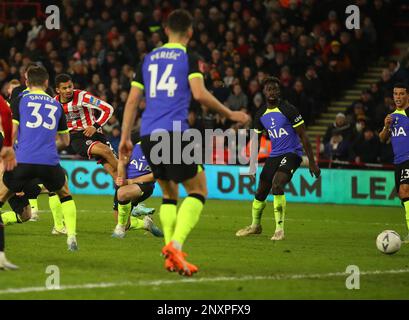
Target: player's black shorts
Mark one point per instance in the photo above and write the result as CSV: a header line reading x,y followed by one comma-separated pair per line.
x,y
52,177
288,163
82,145
18,203
147,189
401,174
176,172
31,191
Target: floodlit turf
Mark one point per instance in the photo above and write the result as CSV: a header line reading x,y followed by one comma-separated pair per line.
x,y
322,240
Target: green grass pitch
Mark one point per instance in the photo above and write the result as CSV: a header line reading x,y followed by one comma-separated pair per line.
x,y
321,241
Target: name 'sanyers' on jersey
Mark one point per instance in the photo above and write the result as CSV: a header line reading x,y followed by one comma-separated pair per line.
x,y
39,118
164,74
399,135
279,124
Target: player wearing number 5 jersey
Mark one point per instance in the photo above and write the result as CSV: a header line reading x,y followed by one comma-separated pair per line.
x,y
38,119
170,76
286,130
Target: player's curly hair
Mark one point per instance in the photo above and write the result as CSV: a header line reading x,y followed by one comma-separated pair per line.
x,y
62,78
179,21
401,85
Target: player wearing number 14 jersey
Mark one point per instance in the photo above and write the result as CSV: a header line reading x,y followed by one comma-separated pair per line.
x,y
169,76
38,119
286,130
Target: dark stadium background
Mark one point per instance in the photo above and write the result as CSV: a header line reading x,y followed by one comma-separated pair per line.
x,y
324,68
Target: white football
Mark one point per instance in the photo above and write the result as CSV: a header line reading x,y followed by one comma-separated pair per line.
x,y
388,242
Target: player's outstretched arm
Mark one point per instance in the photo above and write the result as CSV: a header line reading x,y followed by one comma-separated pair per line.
x,y
105,109
121,177
314,169
385,134
204,97
126,146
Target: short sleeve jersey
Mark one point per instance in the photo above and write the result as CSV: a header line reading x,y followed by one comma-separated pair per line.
x,y
280,123
138,165
164,75
39,117
400,136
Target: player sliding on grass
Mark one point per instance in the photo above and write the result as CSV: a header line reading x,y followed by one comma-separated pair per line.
x,y
397,130
136,183
170,75
8,162
285,128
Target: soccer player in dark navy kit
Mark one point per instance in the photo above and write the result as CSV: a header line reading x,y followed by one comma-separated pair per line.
x,y
285,128
136,184
397,130
169,76
38,119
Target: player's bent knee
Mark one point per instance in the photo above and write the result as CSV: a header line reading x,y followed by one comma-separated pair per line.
x,y
63,193
125,195
26,214
261,195
277,188
100,150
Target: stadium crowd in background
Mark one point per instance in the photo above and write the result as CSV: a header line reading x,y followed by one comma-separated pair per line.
x,y
303,43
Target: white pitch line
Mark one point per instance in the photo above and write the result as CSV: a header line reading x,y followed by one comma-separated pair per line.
x,y
287,219
150,283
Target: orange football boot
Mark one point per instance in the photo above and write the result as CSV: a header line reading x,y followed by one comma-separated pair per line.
x,y
177,258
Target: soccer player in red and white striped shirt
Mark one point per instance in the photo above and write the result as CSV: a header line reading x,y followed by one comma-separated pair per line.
x,y
86,114
9,162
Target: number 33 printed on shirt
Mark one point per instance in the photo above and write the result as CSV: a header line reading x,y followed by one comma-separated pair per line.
x,y
165,83
39,118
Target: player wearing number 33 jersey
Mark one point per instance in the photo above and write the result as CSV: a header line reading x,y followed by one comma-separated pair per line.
x,y
37,110
39,120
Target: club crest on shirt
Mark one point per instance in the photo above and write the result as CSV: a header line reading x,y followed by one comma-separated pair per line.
x,y
88,142
272,123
